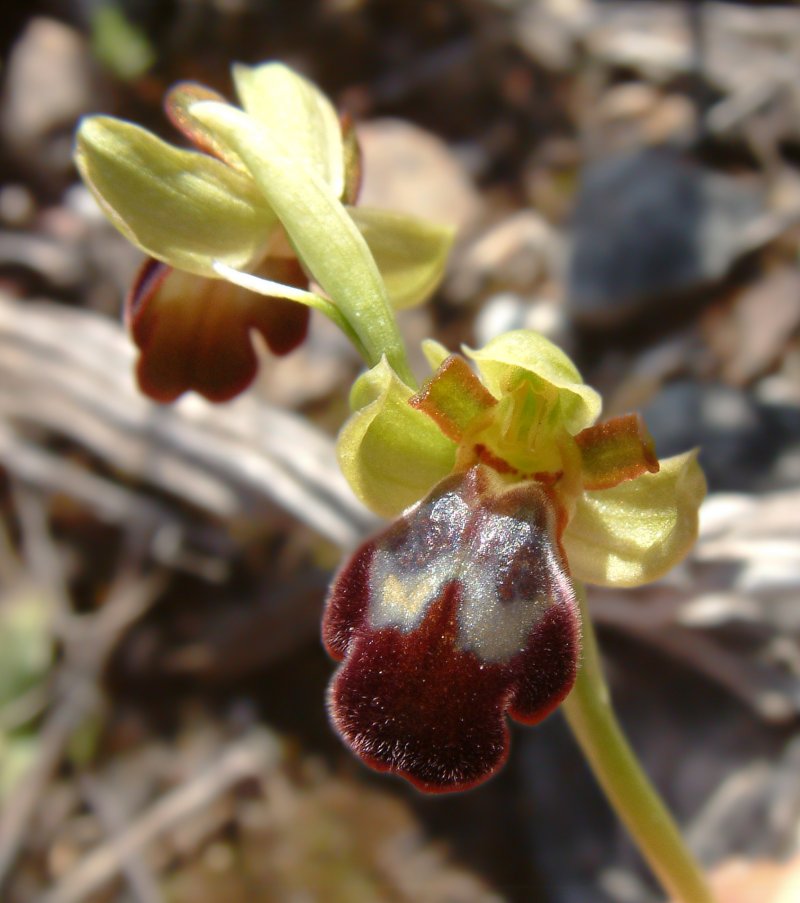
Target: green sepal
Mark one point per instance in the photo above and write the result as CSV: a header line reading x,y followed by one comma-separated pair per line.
x,y
391,454
411,253
635,532
289,105
184,208
526,356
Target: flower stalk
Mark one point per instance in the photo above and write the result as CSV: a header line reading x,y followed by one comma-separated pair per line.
x,y
591,718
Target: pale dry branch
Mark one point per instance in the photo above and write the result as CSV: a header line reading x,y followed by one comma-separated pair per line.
x,y
69,372
252,757
88,641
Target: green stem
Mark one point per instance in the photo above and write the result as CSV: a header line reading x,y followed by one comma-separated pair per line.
x,y
590,716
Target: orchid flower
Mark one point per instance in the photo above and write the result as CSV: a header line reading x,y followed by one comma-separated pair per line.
x,y
464,610
263,207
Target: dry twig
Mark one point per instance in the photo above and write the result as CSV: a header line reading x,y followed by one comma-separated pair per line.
x,y
250,757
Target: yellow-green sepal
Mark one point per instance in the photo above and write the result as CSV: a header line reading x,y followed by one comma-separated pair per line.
x,y
184,208
391,454
526,356
411,253
289,105
635,532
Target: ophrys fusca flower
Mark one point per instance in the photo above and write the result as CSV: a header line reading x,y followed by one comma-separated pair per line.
x,y
463,610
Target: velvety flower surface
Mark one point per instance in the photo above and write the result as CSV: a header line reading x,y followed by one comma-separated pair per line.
x,y
196,333
257,215
460,611
463,610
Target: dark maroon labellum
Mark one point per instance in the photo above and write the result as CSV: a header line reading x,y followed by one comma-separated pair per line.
x,y
458,613
196,333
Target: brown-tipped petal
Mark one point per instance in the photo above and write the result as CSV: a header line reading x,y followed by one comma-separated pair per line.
x,y
453,397
616,450
177,105
460,612
195,333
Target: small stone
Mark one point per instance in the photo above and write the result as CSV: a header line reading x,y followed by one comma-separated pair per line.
x,y
549,31
649,226
500,313
634,115
513,254
407,168
751,335
56,264
673,120
506,311
49,83
629,100
739,880
740,440
17,206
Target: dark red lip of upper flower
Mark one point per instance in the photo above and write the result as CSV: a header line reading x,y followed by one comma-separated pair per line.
x,y
195,333
490,627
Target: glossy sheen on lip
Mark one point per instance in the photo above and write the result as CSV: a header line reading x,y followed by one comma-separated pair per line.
x,y
458,613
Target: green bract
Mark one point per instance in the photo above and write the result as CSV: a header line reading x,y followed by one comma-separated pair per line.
x,y
625,519
279,168
288,105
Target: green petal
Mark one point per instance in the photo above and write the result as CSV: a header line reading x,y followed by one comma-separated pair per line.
x,y
326,240
295,110
391,454
523,355
183,208
636,531
411,253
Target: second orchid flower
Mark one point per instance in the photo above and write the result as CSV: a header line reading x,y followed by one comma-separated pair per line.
x,y
263,207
